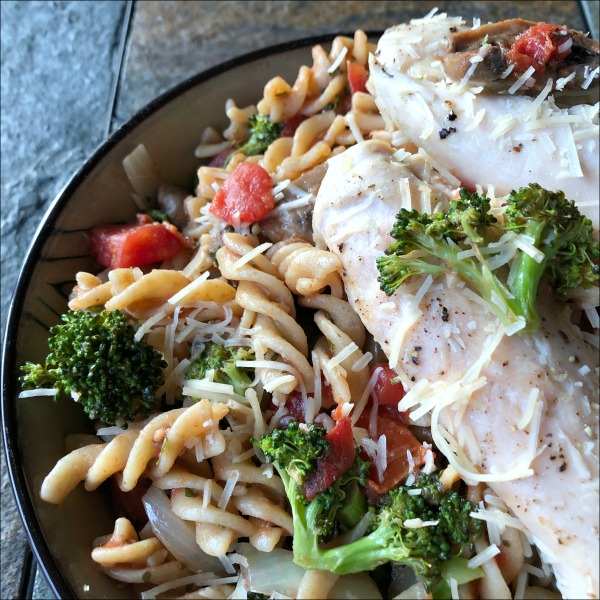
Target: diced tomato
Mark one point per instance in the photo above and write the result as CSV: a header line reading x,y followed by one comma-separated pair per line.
x,y
399,439
129,504
147,242
290,126
538,46
219,160
388,393
357,77
246,196
339,459
295,407
295,404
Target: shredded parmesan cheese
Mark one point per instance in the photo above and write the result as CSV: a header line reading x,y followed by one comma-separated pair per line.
x,y
232,479
338,61
250,255
354,128
529,409
500,517
483,556
38,392
521,81
343,354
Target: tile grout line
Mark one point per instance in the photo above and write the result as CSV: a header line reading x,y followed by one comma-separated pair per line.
x,y
126,28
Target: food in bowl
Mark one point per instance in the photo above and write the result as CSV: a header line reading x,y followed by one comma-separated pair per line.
x,y
341,367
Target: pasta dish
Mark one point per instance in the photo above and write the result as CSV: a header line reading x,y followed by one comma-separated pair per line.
x,y
360,358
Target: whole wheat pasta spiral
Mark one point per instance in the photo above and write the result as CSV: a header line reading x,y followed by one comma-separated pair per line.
x,y
347,375
124,546
130,558
307,270
280,100
238,117
129,452
258,269
262,292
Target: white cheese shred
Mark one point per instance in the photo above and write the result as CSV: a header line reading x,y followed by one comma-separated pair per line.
x,y
232,479
521,81
181,294
483,556
338,61
250,255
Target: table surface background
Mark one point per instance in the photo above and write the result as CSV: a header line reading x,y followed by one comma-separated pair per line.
x,y
73,72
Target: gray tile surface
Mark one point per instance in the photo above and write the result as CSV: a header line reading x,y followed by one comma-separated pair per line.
x,y
170,41
57,99
56,96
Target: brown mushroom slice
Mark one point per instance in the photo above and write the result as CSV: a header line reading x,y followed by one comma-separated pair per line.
x,y
485,56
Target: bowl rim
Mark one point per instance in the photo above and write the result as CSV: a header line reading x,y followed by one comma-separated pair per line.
x,y
37,543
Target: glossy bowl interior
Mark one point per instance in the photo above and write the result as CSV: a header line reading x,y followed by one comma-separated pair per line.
x,y
35,428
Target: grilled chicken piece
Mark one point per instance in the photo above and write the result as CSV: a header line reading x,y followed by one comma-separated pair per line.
x,y
449,339
496,140
554,51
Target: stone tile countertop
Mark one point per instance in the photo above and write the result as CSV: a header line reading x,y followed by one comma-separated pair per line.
x,y
73,72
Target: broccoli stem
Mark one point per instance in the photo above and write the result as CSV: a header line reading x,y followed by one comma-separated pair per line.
x,y
477,274
240,380
527,276
364,554
353,509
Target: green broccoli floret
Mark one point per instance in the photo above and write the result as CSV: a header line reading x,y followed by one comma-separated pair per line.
x,y
96,358
295,451
560,232
221,359
394,533
565,237
262,133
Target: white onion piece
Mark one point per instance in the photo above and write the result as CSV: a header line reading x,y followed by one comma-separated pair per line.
x,y
175,535
276,572
142,173
269,572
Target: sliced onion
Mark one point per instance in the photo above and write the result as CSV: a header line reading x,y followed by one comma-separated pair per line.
x,y
269,572
176,536
275,572
142,174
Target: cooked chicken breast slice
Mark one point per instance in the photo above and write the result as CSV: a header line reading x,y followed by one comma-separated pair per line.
x,y
512,140
528,409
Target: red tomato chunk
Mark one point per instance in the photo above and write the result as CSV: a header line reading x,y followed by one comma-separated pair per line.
x,y
388,393
399,439
246,196
122,246
357,77
339,459
538,46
